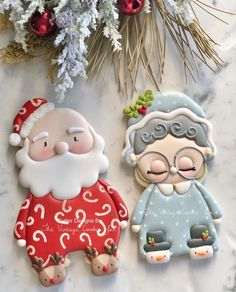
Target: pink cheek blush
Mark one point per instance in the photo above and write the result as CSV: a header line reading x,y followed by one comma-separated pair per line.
x,y
79,148
45,154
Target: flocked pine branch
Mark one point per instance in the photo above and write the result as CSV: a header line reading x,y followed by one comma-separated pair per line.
x,y
16,10
108,14
20,25
75,23
67,47
181,8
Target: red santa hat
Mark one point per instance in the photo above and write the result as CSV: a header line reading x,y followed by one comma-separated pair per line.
x,y
23,122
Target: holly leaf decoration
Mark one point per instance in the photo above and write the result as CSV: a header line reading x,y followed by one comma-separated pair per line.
x,y
205,235
151,241
140,106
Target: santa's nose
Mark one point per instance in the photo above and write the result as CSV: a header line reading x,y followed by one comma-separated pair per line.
x,y
61,147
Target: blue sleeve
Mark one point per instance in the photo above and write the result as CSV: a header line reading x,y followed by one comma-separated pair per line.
x,y
139,210
215,209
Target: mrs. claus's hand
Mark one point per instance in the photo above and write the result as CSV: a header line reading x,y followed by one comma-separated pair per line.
x,y
217,221
136,228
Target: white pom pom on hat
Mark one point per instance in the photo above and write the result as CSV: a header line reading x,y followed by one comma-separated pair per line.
x,y
31,111
14,139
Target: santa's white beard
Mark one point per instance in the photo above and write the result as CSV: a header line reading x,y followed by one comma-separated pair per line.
x,y
63,175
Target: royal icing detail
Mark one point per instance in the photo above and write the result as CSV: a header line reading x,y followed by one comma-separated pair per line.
x,y
88,195
41,208
25,204
115,223
77,215
30,221
169,147
19,225
35,102
65,208
67,236
101,232
87,236
108,242
123,213
59,220
38,235
102,189
30,249
106,208
22,111
69,208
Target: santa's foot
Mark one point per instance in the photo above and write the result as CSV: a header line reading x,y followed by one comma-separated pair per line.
x,y
158,257
201,252
105,263
52,275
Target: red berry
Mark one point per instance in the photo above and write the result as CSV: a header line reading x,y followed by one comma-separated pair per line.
x,y
143,110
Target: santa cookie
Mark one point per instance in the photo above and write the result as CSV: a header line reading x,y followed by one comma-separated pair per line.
x,y
69,207
168,142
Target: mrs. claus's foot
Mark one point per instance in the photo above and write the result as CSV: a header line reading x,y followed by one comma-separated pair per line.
x,y
157,248
201,242
201,252
158,257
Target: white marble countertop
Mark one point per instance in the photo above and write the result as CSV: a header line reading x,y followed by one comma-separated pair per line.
x,y
103,109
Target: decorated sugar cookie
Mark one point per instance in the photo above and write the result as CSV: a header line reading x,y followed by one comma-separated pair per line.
x,y
69,207
168,142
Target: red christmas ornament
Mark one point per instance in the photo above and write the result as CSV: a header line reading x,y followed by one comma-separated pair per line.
x,y
131,7
42,24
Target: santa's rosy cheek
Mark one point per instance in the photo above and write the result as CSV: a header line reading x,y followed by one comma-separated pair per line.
x,y
45,154
79,148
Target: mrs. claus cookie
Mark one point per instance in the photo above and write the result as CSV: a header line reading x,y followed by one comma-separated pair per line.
x,y
69,207
168,142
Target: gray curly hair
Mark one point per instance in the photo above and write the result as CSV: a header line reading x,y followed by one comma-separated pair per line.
x,y
180,127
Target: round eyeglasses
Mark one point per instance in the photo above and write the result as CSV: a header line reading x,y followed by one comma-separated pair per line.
x,y
187,162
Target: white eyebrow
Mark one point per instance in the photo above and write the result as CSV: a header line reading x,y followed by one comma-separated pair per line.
x,y
40,136
75,130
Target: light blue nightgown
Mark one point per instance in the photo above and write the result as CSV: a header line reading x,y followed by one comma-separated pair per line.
x,y
175,215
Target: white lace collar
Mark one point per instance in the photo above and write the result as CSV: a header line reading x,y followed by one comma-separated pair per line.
x,y
180,188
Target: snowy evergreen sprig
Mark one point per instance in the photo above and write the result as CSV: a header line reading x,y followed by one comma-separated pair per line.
x,y
20,25
16,9
147,7
20,12
108,14
75,22
183,9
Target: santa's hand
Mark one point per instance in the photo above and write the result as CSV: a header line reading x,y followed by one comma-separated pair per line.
x,y
123,224
21,242
135,228
217,221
